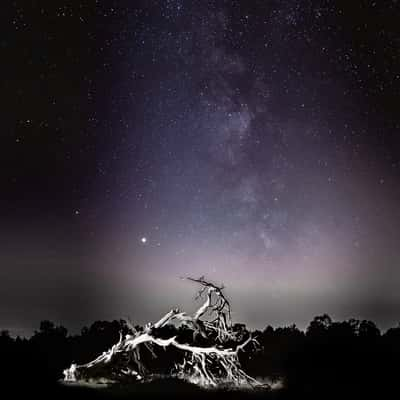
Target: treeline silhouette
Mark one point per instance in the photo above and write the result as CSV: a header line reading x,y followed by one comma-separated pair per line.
x,y
327,357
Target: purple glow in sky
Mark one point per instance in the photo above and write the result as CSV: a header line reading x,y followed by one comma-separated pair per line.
x,y
253,143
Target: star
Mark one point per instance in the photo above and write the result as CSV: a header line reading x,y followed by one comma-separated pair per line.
x,y
143,240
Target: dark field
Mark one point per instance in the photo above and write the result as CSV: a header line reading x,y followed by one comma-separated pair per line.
x,y
169,388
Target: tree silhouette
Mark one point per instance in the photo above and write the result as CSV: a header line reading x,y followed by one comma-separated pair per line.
x,y
328,358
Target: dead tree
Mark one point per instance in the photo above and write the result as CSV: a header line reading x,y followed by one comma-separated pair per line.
x,y
210,365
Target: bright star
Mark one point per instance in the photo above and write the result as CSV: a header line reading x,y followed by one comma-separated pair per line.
x,y
143,240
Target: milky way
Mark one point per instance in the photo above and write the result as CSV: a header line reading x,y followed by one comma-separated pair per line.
x,y
250,142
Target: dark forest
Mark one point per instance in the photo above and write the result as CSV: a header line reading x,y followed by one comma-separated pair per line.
x,y
328,358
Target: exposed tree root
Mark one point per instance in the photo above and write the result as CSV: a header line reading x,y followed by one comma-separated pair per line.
x,y
208,365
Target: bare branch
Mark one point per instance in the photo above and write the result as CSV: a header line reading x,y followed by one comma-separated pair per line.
x,y
209,365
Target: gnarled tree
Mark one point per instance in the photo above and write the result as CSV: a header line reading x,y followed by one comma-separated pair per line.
x,y
207,357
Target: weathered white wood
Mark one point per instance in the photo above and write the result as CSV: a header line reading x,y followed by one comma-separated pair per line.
x,y
197,362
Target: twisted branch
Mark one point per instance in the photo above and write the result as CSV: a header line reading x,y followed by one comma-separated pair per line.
x,y
206,366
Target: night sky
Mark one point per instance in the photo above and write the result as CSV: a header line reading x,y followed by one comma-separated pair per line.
x,y
252,142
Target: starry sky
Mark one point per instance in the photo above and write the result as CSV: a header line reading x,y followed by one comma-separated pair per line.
x,y
252,142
